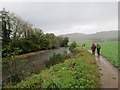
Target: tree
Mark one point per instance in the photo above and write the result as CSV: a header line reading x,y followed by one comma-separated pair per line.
x,y
6,29
19,34
64,42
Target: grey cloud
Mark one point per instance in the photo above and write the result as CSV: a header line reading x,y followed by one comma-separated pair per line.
x,y
60,15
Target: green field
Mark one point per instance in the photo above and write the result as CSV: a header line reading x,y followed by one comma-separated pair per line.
x,y
109,50
80,71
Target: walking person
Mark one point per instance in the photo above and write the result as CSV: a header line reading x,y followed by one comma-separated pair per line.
x,y
98,49
93,48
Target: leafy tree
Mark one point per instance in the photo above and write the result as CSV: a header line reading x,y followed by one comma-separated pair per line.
x,y
72,46
17,33
64,42
6,30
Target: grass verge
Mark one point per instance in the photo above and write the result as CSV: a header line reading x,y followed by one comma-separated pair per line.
x,y
79,71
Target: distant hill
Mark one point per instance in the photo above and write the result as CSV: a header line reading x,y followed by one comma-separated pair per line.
x,y
104,35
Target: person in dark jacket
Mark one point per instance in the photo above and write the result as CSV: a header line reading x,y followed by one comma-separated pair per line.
x,y
98,49
93,48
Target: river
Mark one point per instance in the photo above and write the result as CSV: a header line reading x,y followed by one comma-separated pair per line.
x,y
31,64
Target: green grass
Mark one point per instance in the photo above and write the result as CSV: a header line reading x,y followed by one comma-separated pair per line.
x,y
79,71
109,50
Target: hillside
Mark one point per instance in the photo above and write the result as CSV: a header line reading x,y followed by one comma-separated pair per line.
x,y
99,36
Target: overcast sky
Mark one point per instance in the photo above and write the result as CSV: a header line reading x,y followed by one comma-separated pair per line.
x,y
67,17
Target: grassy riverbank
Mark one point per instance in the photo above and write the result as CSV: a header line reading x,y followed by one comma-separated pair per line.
x,y
79,71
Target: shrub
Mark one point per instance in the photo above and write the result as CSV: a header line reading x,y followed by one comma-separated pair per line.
x,y
55,59
72,47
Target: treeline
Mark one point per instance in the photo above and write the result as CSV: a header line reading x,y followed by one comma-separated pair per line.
x,y
19,36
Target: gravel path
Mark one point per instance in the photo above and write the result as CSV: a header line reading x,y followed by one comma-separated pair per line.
x,y
108,73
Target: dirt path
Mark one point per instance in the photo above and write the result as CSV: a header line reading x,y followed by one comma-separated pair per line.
x,y
108,73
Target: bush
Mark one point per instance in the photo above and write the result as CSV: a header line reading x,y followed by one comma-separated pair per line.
x,y
55,59
72,47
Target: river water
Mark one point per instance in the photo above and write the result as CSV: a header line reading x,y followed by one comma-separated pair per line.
x,y
31,64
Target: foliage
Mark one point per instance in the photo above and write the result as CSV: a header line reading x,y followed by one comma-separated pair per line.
x,y
57,58
19,37
72,46
6,30
78,72
19,34
64,42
